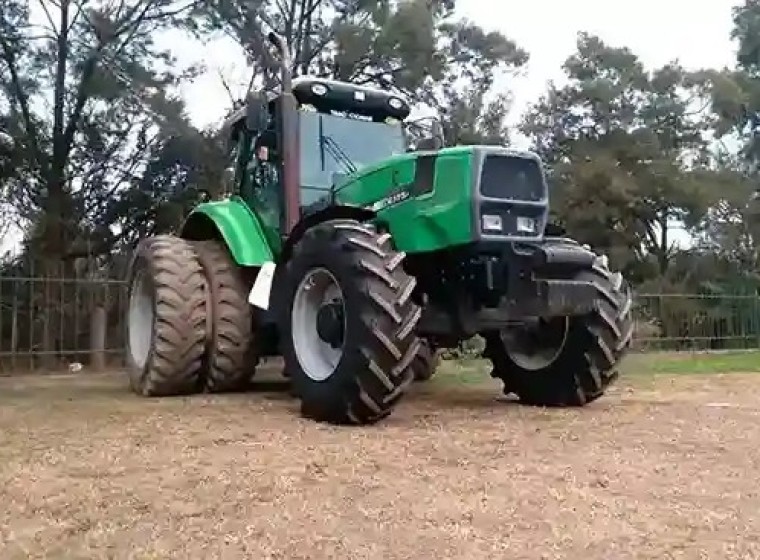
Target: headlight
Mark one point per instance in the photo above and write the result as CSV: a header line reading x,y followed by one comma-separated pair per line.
x,y
526,225
491,223
319,89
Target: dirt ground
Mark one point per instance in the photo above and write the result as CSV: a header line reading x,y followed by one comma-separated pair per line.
x,y
662,467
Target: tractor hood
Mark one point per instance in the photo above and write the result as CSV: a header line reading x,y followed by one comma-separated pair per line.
x,y
453,196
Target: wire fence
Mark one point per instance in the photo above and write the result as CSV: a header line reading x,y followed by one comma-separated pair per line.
x,y
50,323
690,322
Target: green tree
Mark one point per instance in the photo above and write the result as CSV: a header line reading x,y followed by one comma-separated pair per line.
x,y
732,226
181,170
627,153
86,86
414,46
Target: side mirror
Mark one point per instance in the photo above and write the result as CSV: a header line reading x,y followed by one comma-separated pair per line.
x,y
256,113
436,131
228,178
7,144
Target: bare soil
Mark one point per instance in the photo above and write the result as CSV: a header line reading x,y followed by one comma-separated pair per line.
x,y
662,467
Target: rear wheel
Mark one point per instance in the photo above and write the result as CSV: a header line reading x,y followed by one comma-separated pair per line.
x,y
230,362
349,323
166,318
566,361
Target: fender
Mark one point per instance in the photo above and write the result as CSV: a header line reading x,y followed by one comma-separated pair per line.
x,y
337,212
234,222
311,219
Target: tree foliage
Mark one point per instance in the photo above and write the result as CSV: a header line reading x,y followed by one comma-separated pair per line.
x,y
628,152
415,46
85,87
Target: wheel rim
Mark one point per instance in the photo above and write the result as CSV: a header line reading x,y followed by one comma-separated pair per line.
x,y
140,319
318,306
537,345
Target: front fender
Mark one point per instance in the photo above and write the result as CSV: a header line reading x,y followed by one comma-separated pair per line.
x,y
234,222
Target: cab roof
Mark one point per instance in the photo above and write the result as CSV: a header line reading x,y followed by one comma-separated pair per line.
x,y
331,95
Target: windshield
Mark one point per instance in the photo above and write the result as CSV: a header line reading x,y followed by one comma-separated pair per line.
x,y
332,147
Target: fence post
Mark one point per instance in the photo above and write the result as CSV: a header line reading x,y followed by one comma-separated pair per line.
x,y
14,334
98,338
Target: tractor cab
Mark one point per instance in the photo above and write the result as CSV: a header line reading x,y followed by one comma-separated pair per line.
x,y
315,134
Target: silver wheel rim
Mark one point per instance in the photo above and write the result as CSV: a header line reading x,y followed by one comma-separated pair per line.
x,y
536,347
318,359
140,319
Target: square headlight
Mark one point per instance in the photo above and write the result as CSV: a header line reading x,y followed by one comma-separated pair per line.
x,y
492,223
527,225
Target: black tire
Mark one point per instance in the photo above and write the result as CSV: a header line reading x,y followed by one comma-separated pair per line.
x,y
229,359
426,361
166,276
587,363
380,343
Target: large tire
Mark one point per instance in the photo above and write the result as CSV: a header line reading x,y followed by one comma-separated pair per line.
x,y
229,360
166,321
373,367
426,361
586,363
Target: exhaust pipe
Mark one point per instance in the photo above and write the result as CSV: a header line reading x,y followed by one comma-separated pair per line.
x,y
288,136
285,60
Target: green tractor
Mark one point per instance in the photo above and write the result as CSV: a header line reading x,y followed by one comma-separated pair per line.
x,y
356,259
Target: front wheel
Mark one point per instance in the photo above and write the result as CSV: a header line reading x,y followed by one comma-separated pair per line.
x,y
566,361
348,323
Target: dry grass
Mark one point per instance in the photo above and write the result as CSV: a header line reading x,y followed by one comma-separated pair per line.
x,y
662,467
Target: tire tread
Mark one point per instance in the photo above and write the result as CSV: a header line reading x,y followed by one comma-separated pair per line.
x,y
229,362
174,364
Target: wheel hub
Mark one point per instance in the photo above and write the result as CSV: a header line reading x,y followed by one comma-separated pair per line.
x,y
537,345
140,318
318,324
330,323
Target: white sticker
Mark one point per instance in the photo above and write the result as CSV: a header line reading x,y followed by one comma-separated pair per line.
x,y
262,287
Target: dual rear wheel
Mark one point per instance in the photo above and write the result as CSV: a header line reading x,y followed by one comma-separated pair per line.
x,y
189,326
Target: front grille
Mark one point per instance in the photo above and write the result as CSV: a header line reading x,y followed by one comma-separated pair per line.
x,y
510,177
